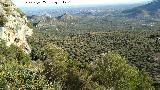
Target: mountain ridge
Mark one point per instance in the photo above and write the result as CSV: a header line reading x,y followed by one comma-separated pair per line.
x,y
151,9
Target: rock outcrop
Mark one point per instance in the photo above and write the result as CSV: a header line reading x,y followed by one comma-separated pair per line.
x,y
43,20
66,17
14,26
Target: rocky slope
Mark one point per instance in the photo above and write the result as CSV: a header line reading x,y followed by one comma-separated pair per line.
x,y
147,10
48,21
14,27
66,17
42,20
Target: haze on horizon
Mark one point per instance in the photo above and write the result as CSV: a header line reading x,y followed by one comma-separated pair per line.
x,y
22,3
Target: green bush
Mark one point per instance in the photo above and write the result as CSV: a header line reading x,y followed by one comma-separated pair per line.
x,y
55,65
114,72
16,71
29,24
8,10
15,76
5,5
15,53
59,69
20,12
2,21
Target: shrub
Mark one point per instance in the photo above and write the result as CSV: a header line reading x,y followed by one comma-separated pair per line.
x,y
8,11
29,24
15,53
20,12
3,20
55,65
15,76
114,72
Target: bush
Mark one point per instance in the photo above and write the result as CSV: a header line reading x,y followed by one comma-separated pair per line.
x,y
55,65
16,71
114,72
8,11
15,76
15,53
59,69
3,20
29,24
20,12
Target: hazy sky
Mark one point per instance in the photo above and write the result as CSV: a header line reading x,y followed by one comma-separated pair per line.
x,y
76,2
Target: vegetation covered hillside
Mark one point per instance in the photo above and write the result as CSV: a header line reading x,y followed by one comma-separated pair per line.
x,y
58,72
151,9
86,53
131,39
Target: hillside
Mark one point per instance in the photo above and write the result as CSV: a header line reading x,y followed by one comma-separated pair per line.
x,y
147,10
77,51
66,17
42,21
14,27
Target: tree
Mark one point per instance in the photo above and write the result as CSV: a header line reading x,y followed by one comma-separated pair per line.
x,y
114,72
55,65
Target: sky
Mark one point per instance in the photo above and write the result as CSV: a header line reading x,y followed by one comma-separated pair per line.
x,y
22,3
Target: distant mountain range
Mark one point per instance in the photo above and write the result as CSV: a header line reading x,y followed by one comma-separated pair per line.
x,y
151,9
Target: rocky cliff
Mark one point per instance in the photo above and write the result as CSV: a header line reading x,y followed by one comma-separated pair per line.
x,y
14,27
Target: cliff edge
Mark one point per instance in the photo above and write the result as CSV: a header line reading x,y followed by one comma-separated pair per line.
x,y
14,26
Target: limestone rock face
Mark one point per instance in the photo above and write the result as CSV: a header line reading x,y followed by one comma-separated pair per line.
x,y
14,27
